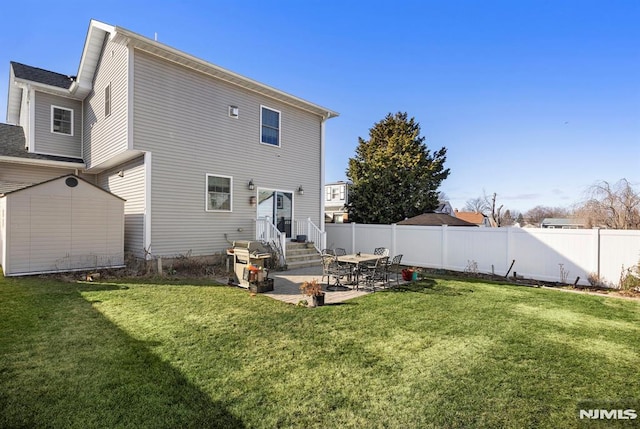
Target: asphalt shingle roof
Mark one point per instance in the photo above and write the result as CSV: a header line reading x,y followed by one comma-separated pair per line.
x,y
46,77
435,219
12,144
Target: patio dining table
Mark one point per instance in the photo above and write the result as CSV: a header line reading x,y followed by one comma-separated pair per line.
x,y
356,259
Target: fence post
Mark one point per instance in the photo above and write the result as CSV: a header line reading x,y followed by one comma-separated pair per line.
x,y
597,252
393,240
509,251
353,237
443,257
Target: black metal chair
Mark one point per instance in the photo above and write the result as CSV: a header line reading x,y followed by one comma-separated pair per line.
x,y
393,267
331,268
374,273
339,251
381,251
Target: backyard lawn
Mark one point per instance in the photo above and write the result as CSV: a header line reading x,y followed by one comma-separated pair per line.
x,y
440,354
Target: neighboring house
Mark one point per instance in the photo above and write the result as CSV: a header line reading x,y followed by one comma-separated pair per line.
x,y
475,218
188,145
562,223
336,198
444,207
435,219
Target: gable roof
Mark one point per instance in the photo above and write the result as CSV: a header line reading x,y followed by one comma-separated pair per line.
x,y
435,219
12,145
473,217
60,178
80,86
46,77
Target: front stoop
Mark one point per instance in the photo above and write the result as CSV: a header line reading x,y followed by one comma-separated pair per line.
x,y
302,255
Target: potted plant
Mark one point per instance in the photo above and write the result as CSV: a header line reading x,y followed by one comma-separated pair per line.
x,y
314,290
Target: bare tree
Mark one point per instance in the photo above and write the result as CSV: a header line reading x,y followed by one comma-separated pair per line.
x,y
614,206
494,214
477,205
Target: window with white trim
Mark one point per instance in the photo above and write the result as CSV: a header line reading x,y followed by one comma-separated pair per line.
x,y
219,197
107,100
61,120
269,126
327,193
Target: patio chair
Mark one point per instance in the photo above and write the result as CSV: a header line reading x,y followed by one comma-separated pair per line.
x,y
339,251
327,252
381,251
331,268
371,275
393,267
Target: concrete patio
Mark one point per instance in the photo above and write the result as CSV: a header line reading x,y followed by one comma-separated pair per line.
x,y
286,286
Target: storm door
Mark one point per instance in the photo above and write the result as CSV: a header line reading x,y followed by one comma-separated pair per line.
x,y
278,206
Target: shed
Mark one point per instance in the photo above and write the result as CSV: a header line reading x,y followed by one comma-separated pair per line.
x,y
63,224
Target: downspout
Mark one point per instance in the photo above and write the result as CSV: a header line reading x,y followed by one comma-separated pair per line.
x,y
322,245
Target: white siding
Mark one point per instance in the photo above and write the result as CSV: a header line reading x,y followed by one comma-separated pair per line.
x,y
3,229
131,187
181,116
14,176
52,227
52,143
105,137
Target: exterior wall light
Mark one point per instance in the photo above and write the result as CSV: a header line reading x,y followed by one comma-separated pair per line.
x,y
300,190
251,186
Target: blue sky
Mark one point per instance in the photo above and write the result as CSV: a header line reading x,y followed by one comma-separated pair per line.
x,y
534,100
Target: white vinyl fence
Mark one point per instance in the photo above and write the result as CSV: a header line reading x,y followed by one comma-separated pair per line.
x,y
542,254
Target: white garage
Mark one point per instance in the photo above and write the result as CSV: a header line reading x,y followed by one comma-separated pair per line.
x,y
64,224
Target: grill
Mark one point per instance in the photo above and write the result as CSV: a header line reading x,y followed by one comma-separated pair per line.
x,y
248,265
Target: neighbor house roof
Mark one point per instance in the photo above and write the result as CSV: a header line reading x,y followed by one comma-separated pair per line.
x,y
435,219
12,145
35,74
472,217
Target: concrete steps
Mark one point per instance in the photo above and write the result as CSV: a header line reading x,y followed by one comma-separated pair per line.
x,y
302,255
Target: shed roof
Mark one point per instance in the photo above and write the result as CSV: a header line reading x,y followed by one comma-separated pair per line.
x,y
61,178
435,219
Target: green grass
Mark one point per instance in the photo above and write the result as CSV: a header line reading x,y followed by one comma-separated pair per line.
x,y
441,353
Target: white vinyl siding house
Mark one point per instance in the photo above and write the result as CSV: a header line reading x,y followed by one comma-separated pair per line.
x,y
179,139
106,138
129,182
52,137
182,117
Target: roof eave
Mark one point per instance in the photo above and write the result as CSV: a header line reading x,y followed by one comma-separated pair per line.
x,y
43,162
134,40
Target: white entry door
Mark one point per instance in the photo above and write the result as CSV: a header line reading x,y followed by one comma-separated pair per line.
x,y
278,206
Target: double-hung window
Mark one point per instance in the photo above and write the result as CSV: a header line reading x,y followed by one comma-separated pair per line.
x,y
269,126
61,120
219,197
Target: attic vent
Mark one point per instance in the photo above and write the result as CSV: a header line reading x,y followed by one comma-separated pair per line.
x,y
71,182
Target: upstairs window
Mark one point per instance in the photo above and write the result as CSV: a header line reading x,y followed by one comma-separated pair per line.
x,y
342,189
327,193
107,100
219,193
269,126
61,120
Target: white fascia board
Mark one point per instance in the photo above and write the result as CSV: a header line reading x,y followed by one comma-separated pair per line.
x,y
14,100
90,57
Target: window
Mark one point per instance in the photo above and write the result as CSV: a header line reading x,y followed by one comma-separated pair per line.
x,y
270,126
61,120
107,100
327,193
334,192
342,189
219,193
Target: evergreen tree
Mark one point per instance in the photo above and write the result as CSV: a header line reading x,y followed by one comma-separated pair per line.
x,y
394,174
